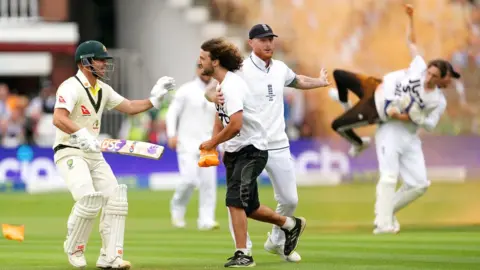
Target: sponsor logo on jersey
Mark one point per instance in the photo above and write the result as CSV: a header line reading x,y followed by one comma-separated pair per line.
x,y
61,99
70,164
96,125
85,111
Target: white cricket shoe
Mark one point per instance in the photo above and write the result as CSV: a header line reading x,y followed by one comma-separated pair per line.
x,y
270,247
333,93
118,263
209,227
384,230
77,258
356,150
179,223
396,225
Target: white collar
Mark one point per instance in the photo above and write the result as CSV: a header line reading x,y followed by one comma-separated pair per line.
x,y
199,82
259,63
83,79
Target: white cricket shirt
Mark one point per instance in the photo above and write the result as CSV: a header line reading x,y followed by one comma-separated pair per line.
x,y
267,85
238,97
411,82
85,107
190,117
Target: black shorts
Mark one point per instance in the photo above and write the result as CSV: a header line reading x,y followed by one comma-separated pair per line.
x,y
243,168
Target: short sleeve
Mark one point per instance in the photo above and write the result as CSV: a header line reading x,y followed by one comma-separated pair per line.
x,y
390,83
289,75
417,65
66,97
114,99
234,97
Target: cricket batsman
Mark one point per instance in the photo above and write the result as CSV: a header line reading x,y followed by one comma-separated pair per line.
x,y
80,102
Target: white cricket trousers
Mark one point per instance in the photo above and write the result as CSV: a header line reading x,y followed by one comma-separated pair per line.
x,y
193,176
399,153
281,170
84,176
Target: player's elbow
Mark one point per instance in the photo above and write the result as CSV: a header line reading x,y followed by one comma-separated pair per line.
x,y
236,122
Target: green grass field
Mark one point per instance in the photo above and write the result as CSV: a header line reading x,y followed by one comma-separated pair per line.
x,y
438,232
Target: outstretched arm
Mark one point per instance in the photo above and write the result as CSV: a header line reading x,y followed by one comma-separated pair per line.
x,y
411,39
305,82
133,107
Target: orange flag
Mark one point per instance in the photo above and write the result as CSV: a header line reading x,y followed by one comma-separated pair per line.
x,y
208,158
13,232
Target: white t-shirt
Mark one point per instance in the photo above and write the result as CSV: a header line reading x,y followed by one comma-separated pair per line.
x,y
238,97
85,110
267,86
190,117
410,82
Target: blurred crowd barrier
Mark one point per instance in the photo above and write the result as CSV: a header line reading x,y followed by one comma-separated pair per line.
x,y
317,163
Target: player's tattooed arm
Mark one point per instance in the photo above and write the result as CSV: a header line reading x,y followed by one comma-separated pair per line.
x,y
62,122
305,82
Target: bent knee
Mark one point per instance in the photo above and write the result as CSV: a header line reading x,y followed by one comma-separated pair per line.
x,y
288,201
336,124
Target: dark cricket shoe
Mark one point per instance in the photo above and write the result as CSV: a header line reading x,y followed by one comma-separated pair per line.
x,y
292,236
239,259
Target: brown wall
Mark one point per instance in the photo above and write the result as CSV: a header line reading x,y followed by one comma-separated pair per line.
x,y
63,68
53,10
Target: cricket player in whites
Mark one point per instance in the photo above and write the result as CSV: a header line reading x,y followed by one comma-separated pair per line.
x,y
190,120
399,148
80,102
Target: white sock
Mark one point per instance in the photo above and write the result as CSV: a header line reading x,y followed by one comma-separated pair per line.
x,y
289,224
245,251
346,105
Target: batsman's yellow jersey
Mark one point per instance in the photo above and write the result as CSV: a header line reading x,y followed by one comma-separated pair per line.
x,y
85,104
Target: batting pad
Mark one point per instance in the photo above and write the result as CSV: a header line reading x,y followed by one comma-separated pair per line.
x,y
116,211
84,212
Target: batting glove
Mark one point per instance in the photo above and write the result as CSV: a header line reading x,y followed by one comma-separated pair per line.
x,y
163,85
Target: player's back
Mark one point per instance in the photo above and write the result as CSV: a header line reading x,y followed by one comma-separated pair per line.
x,y
235,89
267,87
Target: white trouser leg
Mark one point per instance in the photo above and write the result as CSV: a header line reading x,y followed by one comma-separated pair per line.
x,y
105,181
207,196
414,175
388,154
76,172
281,170
188,167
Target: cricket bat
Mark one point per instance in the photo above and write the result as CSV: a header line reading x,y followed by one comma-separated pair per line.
x,y
132,148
